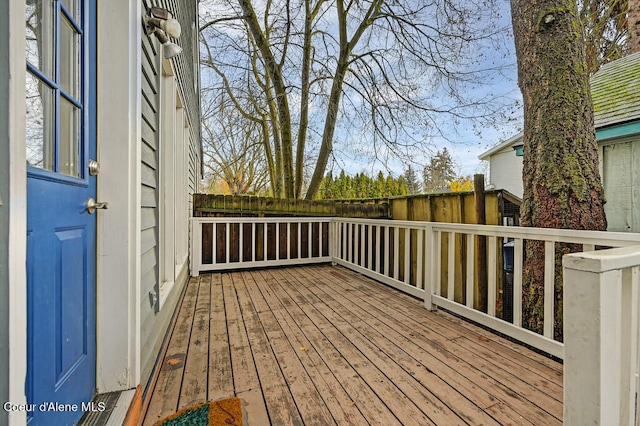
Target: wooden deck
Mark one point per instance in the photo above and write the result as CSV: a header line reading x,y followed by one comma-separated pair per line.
x,y
319,345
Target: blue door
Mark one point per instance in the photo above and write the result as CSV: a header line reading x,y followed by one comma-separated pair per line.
x,y
61,233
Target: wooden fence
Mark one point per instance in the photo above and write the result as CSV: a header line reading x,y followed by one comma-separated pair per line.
x,y
208,205
457,207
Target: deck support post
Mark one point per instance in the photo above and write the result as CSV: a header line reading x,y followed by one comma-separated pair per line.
x,y
600,337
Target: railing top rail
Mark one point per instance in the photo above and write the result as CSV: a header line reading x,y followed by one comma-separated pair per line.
x,y
414,224
604,260
273,219
602,238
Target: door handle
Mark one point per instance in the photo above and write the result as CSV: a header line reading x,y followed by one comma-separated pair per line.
x,y
93,205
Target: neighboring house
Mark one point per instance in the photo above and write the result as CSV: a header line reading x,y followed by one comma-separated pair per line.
x,y
86,299
616,98
505,165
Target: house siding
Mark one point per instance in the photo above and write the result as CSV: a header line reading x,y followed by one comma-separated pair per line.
x,y
506,171
153,322
620,163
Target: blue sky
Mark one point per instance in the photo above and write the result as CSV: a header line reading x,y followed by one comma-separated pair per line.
x,y
353,151
469,141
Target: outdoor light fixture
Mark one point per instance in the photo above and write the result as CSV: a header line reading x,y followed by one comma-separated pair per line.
x,y
160,22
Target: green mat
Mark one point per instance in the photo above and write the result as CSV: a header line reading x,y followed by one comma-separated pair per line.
x,y
226,412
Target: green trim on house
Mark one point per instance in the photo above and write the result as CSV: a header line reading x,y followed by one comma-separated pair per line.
x,y
620,131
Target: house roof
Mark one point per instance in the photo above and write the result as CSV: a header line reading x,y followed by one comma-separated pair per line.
x,y
512,141
615,89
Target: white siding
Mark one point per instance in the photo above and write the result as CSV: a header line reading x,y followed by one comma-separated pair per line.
x,y
621,177
506,171
170,118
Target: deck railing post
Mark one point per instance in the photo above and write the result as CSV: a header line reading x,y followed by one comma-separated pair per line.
x,y
196,247
600,336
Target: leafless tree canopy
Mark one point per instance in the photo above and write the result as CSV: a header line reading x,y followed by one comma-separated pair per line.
x,y
379,77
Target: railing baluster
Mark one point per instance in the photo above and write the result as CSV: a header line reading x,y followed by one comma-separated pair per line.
x,y
310,240
264,241
254,242
356,244
347,234
378,246
362,245
407,256
420,261
437,263
288,240
241,242
518,245
227,242
370,247
549,291
299,234
396,252
214,242
386,249
320,229
277,240
451,265
492,281
471,273
353,239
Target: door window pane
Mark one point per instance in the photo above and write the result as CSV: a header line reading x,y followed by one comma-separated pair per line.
x,y
40,35
69,143
69,58
39,117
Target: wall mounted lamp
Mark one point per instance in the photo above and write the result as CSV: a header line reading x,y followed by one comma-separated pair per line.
x,y
170,49
160,22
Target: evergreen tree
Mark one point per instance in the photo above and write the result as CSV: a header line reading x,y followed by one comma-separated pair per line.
x,y
439,172
413,185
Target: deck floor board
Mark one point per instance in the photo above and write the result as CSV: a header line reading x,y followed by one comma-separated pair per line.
x,y
320,345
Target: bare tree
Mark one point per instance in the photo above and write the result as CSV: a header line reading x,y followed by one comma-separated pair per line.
x,y
562,186
605,30
232,148
326,71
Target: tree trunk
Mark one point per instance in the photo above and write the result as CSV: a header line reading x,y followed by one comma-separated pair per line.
x,y
562,186
327,135
633,25
275,73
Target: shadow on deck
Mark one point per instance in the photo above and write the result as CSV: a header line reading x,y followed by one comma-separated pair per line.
x,y
324,345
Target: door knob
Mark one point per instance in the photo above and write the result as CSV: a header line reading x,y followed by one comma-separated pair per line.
x,y
93,205
94,167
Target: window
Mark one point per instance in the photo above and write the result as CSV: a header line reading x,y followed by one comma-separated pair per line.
x,y
54,86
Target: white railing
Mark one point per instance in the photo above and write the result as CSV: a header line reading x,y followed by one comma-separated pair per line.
x,y
390,251
601,294
452,236
227,243
441,263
